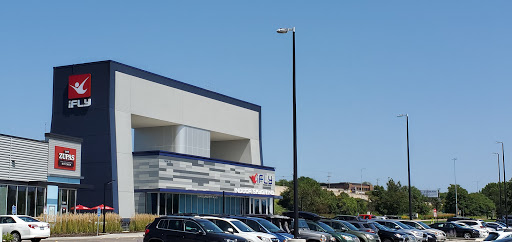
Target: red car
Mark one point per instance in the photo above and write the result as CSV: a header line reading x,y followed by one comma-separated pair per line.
x,y
367,216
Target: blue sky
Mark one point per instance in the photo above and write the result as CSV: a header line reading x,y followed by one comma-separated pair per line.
x,y
359,64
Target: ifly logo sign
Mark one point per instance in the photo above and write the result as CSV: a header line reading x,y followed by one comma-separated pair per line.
x,y
79,91
262,179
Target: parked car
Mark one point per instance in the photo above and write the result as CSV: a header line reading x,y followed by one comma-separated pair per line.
x,y
439,234
394,224
179,228
476,224
455,230
322,227
496,225
456,219
264,226
365,226
483,231
498,235
390,235
24,227
235,226
347,217
282,222
346,227
367,216
305,232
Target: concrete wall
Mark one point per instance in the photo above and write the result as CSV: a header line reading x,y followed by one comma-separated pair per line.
x,y
232,150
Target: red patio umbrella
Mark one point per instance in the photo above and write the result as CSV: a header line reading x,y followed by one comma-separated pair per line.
x,y
80,207
101,207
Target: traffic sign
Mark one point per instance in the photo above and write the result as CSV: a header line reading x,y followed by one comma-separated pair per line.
x,y
13,209
435,213
99,211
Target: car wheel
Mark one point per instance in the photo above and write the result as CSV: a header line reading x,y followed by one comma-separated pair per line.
x,y
467,236
387,240
16,237
35,240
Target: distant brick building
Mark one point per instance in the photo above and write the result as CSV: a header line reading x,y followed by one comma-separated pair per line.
x,y
349,186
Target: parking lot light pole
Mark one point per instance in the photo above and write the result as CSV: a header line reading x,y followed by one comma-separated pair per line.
x,y
500,211
104,198
455,177
408,165
295,182
504,182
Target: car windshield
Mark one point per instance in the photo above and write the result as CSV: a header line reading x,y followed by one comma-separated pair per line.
x,y
349,225
303,224
424,225
461,225
379,226
269,226
241,226
408,226
210,227
403,226
326,227
28,219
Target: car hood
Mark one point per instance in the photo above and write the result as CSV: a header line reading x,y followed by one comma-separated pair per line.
x,y
434,231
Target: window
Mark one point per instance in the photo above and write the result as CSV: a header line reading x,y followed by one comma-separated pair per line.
x,y
11,198
224,225
31,201
7,220
40,200
162,224
192,227
175,224
254,225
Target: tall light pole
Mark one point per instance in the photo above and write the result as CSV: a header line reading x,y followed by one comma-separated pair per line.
x,y
408,164
499,183
104,198
295,182
454,176
504,182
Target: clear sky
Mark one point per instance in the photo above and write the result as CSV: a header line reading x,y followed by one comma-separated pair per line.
x,y
359,64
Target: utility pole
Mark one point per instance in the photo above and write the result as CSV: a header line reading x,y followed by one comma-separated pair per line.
x,y
454,176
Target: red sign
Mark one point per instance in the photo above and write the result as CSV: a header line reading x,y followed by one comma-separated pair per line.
x,y
435,213
65,158
79,86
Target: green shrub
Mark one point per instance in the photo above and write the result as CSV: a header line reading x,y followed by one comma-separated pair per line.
x,y
139,221
7,237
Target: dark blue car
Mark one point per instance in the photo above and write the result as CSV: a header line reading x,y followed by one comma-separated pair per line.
x,y
264,226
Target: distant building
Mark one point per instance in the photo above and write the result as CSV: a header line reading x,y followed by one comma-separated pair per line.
x,y
349,186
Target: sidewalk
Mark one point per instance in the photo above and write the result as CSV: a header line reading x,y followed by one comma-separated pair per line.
x,y
100,237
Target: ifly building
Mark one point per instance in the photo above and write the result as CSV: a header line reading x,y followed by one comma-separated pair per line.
x,y
161,146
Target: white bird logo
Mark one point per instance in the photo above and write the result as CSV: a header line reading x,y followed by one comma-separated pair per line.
x,y
79,88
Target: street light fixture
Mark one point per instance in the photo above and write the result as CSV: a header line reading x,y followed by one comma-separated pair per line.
x,y
504,182
408,164
295,182
455,177
104,198
362,179
499,183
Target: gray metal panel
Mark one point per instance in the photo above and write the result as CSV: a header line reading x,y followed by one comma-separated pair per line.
x,y
30,159
193,174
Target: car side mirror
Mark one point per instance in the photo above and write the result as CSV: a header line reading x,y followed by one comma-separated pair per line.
x,y
396,227
230,230
201,232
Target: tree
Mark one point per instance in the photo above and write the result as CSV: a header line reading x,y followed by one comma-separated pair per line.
x,y
449,201
492,191
393,200
478,205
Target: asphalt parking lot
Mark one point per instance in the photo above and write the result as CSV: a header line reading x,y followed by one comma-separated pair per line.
x,y
137,237
131,237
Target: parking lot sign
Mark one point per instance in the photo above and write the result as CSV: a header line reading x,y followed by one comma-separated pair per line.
x,y
13,210
435,213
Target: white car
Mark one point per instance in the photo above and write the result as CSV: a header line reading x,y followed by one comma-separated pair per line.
x,y
483,231
498,235
24,227
238,228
